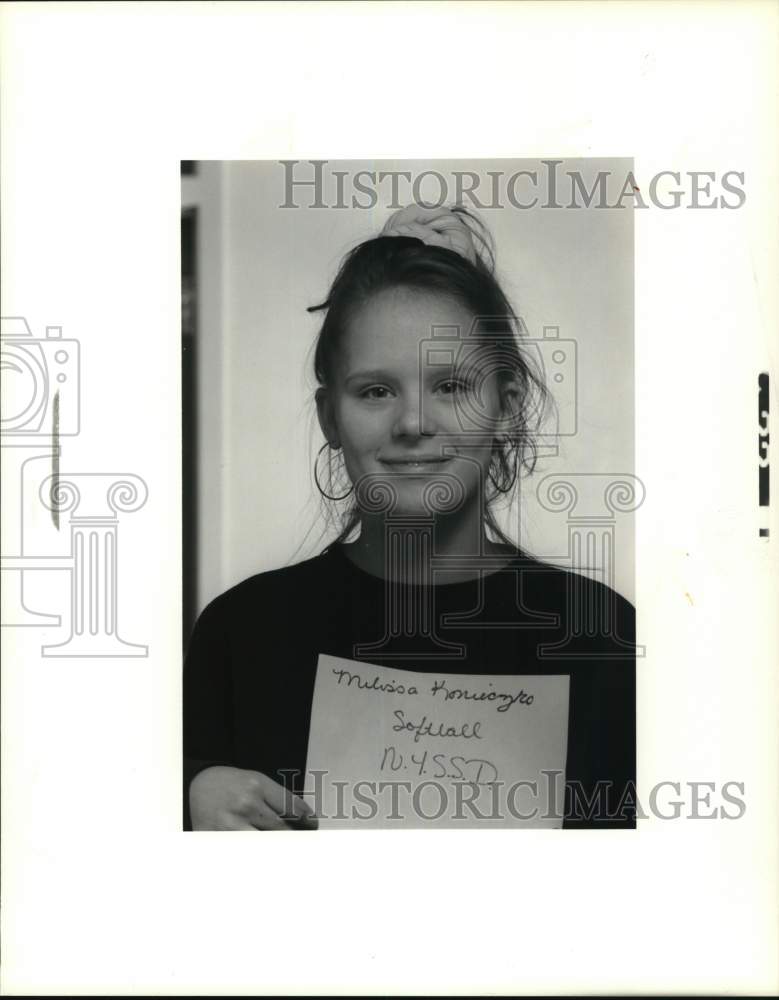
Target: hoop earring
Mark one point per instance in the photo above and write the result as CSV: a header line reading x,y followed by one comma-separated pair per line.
x,y
326,495
510,487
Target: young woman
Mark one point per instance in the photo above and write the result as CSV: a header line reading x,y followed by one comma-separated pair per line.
x,y
428,403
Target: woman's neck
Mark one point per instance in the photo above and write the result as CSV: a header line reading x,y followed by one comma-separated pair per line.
x,y
402,548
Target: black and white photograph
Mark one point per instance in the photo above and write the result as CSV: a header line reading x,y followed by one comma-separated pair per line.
x,y
438,636
380,463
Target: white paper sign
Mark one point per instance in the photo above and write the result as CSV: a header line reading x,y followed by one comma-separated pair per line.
x,y
394,748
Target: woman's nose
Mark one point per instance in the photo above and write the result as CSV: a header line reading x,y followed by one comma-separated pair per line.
x,y
411,421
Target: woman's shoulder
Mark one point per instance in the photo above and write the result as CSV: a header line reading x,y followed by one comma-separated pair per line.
x,y
564,583
276,586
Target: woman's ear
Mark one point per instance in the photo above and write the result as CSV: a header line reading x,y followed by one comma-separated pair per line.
x,y
324,411
510,410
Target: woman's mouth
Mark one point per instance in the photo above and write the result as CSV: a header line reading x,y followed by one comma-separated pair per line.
x,y
421,464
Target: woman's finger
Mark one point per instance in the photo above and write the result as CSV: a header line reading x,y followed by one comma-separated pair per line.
x,y
410,229
419,214
266,819
448,222
419,232
285,804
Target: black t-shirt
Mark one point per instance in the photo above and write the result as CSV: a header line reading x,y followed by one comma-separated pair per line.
x,y
251,664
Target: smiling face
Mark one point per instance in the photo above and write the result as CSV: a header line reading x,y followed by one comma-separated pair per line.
x,y
407,411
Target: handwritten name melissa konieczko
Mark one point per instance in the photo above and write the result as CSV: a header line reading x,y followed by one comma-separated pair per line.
x,y
503,700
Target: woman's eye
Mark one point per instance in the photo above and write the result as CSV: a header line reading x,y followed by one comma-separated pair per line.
x,y
452,386
375,392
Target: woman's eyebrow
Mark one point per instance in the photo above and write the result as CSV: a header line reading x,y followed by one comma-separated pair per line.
x,y
429,372
368,373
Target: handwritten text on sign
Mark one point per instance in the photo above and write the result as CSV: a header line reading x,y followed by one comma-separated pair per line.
x,y
396,748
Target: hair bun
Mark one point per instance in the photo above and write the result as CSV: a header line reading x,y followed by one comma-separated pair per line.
x,y
441,227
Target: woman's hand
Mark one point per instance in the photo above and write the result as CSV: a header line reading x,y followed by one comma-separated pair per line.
x,y
439,227
230,798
